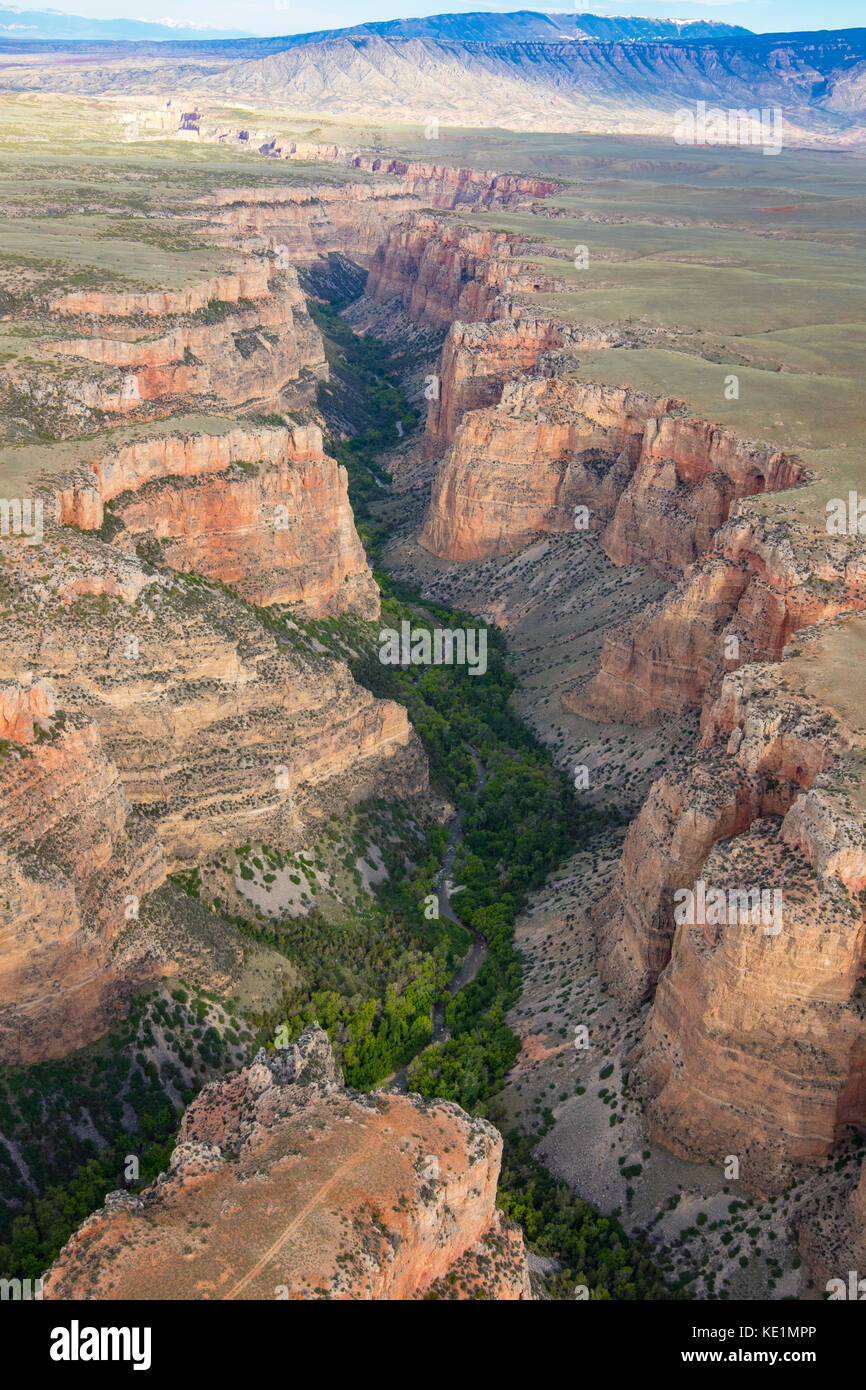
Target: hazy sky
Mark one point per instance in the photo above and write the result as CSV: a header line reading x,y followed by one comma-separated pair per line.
x,y
300,16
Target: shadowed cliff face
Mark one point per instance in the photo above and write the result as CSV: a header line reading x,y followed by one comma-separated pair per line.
x,y
440,271
306,1190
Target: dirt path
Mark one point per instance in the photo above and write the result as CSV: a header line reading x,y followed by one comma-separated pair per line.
x,y
306,1209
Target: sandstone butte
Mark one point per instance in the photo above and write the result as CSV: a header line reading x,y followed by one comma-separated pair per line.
x,y
286,1185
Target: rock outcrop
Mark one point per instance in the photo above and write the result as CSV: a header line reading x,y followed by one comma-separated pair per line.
x,y
755,1044
262,509
285,1185
75,861
439,271
665,484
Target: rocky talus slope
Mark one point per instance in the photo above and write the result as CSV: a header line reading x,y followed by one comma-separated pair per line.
x,y
286,1185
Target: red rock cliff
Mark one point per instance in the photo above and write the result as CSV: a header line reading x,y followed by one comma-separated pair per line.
x,y
261,509
286,1185
75,861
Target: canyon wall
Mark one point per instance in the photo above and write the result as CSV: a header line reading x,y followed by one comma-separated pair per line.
x,y
664,484
755,1044
301,223
524,466
198,704
262,509
762,580
438,185
185,726
286,1185
75,861
234,339
440,270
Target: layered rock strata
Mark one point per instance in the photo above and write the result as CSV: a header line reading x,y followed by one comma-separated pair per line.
x,y
238,338
285,1185
478,359
264,510
197,702
75,860
662,483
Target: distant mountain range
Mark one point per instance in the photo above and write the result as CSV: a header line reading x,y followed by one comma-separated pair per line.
x,y
16,23
485,27
524,26
555,76
816,81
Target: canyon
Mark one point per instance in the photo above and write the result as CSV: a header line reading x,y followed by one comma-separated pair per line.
x,y
150,716
753,1045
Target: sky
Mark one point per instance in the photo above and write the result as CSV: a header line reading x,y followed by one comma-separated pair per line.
x,y
301,16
